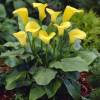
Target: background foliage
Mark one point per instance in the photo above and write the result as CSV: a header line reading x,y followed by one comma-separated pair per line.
x,y
89,23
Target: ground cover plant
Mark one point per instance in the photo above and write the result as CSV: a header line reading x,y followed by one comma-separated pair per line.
x,y
88,4
50,54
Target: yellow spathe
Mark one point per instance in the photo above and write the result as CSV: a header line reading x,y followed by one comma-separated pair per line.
x,y
41,8
22,13
76,34
62,27
21,37
53,14
43,35
69,12
33,27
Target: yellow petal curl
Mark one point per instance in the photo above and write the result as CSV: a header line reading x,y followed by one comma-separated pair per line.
x,y
33,27
53,14
41,8
43,35
69,12
21,36
62,27
22,13
76,34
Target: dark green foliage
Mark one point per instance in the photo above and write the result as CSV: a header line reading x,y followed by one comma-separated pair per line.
x,y
95,95
90,23
95,78
2,79
88,4
56,4
7,27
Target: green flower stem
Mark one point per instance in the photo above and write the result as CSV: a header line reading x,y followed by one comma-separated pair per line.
x,y
30,43
33,51
61,44
41,45
39,59
54,49
46,55
33,44
59,48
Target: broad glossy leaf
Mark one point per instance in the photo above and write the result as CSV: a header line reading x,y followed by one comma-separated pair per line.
x,y
12,61
88,56
36,93
73,75
71,64
2,11
12,78
44,75
12,45
12,53
73,88
52,88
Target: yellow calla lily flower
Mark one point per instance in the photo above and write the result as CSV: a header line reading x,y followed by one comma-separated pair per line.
x,y
21,36
69,12
62,27
43,35
76,34
41,8
22,13
33,27
53,14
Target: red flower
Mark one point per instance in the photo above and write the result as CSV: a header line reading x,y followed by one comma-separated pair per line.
x,y
6,95
85,86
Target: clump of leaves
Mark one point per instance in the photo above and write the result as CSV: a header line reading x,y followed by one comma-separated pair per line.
x,y
95,77
90,23
87,4
95,95
7,26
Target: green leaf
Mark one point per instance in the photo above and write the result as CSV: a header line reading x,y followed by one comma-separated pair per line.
x,y
8,1
12,53
73,88
2,11
73,75
51,28
18,4
12,79
11,45
30,1
59,19
36,93
70,64
21,24
30,38
44,75
52,88
88,56
95,94
12,61
19,96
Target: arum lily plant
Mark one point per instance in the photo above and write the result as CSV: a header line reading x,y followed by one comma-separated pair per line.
x,y
44,57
